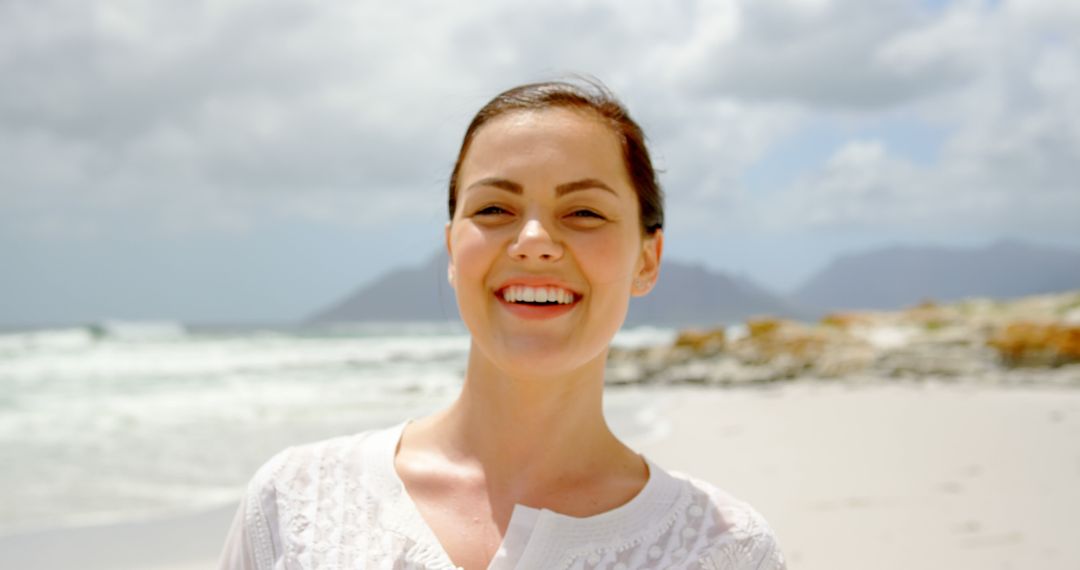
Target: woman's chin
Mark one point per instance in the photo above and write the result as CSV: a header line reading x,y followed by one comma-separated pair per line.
x,y
542,358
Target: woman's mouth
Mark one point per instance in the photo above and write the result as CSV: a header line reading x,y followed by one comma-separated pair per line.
x,y
537,295
533,303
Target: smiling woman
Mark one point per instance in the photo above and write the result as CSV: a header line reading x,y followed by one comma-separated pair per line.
x,y
555,222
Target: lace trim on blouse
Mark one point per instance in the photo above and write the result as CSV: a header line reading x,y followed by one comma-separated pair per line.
x,y
339,504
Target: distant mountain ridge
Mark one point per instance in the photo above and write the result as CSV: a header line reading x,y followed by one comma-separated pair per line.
x,y
419,293
689,294
685,295
899,276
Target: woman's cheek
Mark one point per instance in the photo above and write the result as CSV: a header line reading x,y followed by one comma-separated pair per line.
x,y
470,255
607,255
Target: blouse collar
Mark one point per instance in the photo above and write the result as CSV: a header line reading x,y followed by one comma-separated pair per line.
x,y
636,520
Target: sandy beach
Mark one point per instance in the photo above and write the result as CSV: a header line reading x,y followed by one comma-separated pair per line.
x,y
850,475
176,543
914,475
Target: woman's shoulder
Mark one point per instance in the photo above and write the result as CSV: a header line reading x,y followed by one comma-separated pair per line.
x,y
299,468
307,497
735,533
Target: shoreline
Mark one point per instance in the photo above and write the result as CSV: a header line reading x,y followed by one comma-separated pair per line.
x,y
949,475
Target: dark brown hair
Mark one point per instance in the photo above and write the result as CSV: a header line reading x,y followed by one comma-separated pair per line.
x,y
588,95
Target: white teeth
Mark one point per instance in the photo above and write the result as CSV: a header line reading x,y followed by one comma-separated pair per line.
x,y
522,294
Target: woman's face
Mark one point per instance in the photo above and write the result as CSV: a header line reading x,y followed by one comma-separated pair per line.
x,y
545,208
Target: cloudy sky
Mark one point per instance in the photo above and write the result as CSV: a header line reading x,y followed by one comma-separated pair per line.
x,y
224,161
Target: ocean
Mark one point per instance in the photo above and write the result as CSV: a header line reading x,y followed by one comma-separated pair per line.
x,y
126,421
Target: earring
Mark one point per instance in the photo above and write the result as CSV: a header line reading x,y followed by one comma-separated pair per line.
x,y
637,283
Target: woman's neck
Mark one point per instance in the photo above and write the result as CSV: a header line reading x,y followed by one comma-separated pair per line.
x,y
530,432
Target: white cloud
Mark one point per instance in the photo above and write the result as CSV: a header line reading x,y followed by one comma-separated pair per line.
x,y
220,116
827,55
1012,162
859,185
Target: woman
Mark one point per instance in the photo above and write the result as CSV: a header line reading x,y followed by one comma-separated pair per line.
x,y
555,222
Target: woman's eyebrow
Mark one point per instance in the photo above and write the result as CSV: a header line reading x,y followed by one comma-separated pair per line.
x,y
583,184
501,183
561,189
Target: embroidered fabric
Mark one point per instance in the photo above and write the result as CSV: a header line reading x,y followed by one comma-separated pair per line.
x,y
338,504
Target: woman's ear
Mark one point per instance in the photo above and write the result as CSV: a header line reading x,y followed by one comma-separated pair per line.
x,y
648,267
450,263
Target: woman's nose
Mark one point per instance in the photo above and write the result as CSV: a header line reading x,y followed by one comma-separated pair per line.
x,y
535,242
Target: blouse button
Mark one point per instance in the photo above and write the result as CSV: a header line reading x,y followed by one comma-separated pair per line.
x,y
689,532
594,559
655,552
696,511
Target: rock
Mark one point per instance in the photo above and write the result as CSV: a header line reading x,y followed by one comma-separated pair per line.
x,y
930,360
827,351
931,316
1071,316
847,321
701,342
844,360
770,339
1027,343
1036,338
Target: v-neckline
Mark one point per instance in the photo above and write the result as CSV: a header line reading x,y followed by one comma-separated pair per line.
x,y
544,527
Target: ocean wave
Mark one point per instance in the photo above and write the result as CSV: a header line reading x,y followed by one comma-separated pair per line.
x,y
125,420
68,339
65,339
80,357
136,331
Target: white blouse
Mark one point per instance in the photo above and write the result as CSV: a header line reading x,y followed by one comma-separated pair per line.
x,y
340,504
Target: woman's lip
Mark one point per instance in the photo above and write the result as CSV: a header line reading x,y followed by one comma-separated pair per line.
x,y
536,312
536,282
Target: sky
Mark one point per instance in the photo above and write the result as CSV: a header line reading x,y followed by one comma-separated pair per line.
x,y
219,161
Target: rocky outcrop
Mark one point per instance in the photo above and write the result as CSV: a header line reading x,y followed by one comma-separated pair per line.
x,y
1036,339
1037,344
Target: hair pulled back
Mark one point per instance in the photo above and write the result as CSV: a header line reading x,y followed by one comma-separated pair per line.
x,y
589,95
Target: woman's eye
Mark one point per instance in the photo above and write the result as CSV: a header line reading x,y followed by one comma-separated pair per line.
x,y
490,211
586,214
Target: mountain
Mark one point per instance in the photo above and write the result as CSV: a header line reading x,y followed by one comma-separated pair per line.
x,y
689,294
685,295
896,277
419,293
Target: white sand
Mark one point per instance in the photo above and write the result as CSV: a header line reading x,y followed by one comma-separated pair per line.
x,y
178,543
926,476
